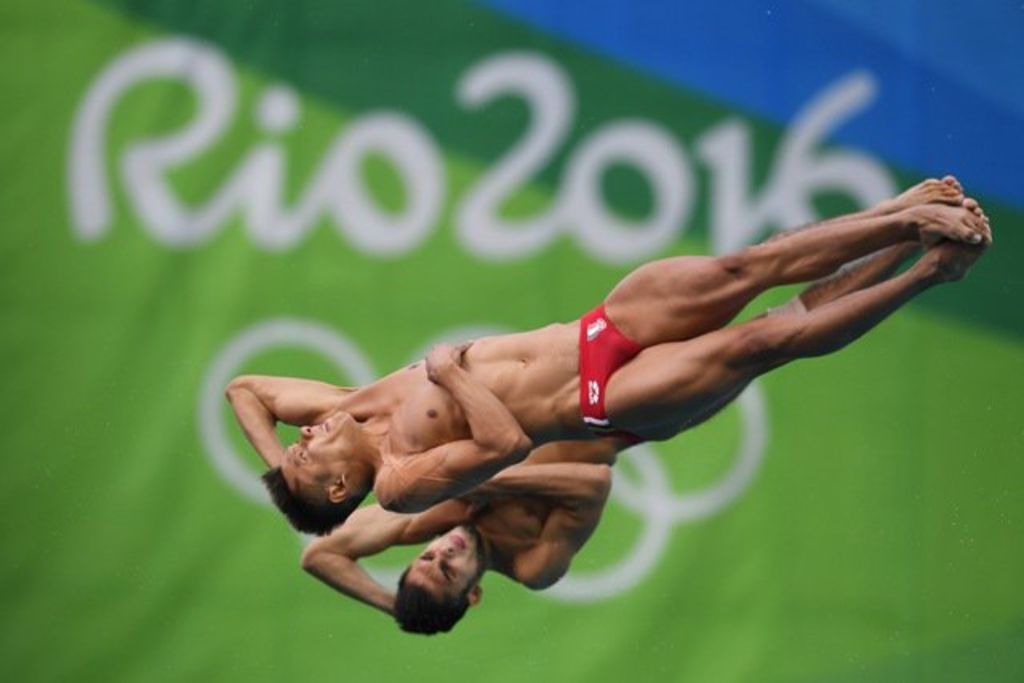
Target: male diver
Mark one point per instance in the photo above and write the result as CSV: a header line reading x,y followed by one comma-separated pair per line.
x,y
654,359
527,522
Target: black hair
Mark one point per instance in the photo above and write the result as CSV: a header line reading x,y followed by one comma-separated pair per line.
x,y
309,517
417,611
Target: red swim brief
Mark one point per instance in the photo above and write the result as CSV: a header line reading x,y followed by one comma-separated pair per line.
x,y
603,350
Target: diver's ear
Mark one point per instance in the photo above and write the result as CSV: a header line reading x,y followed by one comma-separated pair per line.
x,y
336,492
475,595
352,482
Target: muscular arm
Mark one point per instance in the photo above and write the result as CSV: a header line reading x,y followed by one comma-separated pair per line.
x,y
260,402
598,452
494,429
578,490
452,469
565,485
583,490
334,559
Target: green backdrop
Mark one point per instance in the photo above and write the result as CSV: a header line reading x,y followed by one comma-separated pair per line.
x,y
321,190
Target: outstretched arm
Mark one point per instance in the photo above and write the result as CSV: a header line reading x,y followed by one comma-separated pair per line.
x,y
260,402
334,559
452,469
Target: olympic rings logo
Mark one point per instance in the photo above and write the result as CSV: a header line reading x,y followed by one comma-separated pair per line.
x,y
647,494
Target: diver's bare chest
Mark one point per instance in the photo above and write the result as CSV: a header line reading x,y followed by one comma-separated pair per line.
x,y
428,417
512,528
514,522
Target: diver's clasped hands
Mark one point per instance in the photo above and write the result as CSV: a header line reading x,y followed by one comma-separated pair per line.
x,y
443,359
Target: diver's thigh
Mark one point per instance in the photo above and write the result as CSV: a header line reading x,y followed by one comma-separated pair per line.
x,y
679,298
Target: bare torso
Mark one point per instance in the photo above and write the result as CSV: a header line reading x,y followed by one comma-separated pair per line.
x,y
534,374
511,527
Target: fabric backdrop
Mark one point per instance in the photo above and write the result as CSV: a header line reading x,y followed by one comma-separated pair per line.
x,y
194,190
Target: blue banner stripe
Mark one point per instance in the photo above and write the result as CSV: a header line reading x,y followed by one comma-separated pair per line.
x,y
770,58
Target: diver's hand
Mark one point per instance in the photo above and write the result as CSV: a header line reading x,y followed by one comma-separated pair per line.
x,y
441,361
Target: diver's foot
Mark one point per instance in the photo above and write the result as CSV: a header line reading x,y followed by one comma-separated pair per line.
x,y
974,207
930,191
961,223
950,261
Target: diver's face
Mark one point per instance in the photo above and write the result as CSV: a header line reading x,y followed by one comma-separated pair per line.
x,y
449,565
321,454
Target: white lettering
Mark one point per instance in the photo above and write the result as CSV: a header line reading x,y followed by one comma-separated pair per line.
x,y
200,67
550,98
654,152
799,170
254,189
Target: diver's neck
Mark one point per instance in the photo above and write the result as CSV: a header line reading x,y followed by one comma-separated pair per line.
x,y
375,444
486,548
373,402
